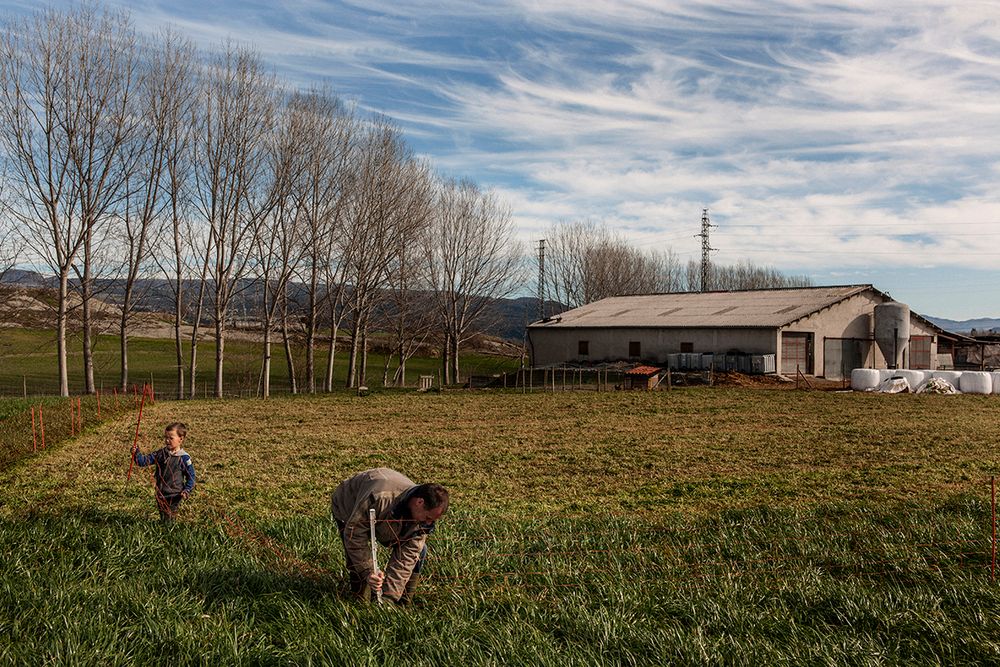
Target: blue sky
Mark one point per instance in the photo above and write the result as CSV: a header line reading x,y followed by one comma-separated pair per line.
x,y
851,141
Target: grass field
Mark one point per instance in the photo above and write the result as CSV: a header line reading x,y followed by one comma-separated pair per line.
x,y
704,525
28,358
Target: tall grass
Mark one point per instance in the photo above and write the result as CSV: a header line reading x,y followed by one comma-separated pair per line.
x,y
585,529
750,587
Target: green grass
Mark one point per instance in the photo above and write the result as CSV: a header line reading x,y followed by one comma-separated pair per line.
x,y
698,526
28,360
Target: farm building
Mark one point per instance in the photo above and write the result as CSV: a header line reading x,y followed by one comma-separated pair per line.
x,y
823,331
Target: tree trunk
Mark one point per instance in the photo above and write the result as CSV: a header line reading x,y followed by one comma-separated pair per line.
x,y
445,365
61,332
399,377
328,384
311,335
123,344
456,377
220,351
289,359
363,371
178,343
88,347
194,332
266,366
352,360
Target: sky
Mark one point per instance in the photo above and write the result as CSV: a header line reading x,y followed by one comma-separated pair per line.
x,y
852,142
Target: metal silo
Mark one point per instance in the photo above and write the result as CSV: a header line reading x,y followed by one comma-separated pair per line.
x,y
892,331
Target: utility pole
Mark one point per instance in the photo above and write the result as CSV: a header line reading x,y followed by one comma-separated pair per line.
x,y
706,248
541,279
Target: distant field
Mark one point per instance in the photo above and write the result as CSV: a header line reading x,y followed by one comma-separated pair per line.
x,y
28,357
698,525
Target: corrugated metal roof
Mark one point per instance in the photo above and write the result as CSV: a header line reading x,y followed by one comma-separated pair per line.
x,y
770,308
643,370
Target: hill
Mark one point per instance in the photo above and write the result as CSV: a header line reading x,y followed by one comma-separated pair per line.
x,y
965,326
506,319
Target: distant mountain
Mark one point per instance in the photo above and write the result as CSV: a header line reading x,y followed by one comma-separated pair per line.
x,y
506,318
28,279
965,326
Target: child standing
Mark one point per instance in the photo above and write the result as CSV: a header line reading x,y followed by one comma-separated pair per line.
x,y
174,472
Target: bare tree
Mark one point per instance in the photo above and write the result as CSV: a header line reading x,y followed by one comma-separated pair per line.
x,y
279,244
407,310
471,259
166,87
746,275
101,90
45,69
11,242
329,148
232,174
378,201
586,262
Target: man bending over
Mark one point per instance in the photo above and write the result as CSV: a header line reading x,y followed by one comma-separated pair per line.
x,y
405,514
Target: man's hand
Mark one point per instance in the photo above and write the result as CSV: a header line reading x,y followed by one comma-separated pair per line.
x,y
135,450
184,495
375,580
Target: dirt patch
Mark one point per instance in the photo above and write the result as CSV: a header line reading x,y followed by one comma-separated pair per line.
x,y
733,379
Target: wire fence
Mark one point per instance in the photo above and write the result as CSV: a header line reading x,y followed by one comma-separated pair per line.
x,y
36,423
486,554
482,555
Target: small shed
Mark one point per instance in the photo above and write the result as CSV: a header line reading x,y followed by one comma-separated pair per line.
x,y
642,377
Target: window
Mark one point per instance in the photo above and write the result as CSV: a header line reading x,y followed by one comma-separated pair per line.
x,y
687,347
634,350
583,348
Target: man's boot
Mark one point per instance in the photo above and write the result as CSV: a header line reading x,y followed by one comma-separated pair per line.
x,y
410,589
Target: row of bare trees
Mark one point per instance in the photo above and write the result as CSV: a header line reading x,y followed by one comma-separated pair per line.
x,y
586,261
128,157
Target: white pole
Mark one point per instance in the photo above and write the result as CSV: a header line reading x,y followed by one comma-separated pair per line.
x,y
371,522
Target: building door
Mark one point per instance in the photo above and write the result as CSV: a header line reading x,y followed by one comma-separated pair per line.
x,y
796,353
920,351
842,355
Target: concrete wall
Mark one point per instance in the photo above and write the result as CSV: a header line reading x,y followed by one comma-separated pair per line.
x,y
851,318
556,346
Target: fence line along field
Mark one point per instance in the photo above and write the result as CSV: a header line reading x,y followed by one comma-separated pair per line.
x,y
698,525
28,365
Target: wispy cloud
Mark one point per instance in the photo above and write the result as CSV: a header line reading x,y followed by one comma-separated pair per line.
x,y
823,137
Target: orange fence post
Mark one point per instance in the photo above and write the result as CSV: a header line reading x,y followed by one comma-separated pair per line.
x,y
34,438
135,440
41,425
98,403
79,415
993,516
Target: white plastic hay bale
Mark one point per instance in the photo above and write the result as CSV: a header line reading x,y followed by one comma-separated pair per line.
x,y
976,382
894,385
885,373
913,378
996,382
951,377
865,379
937,385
